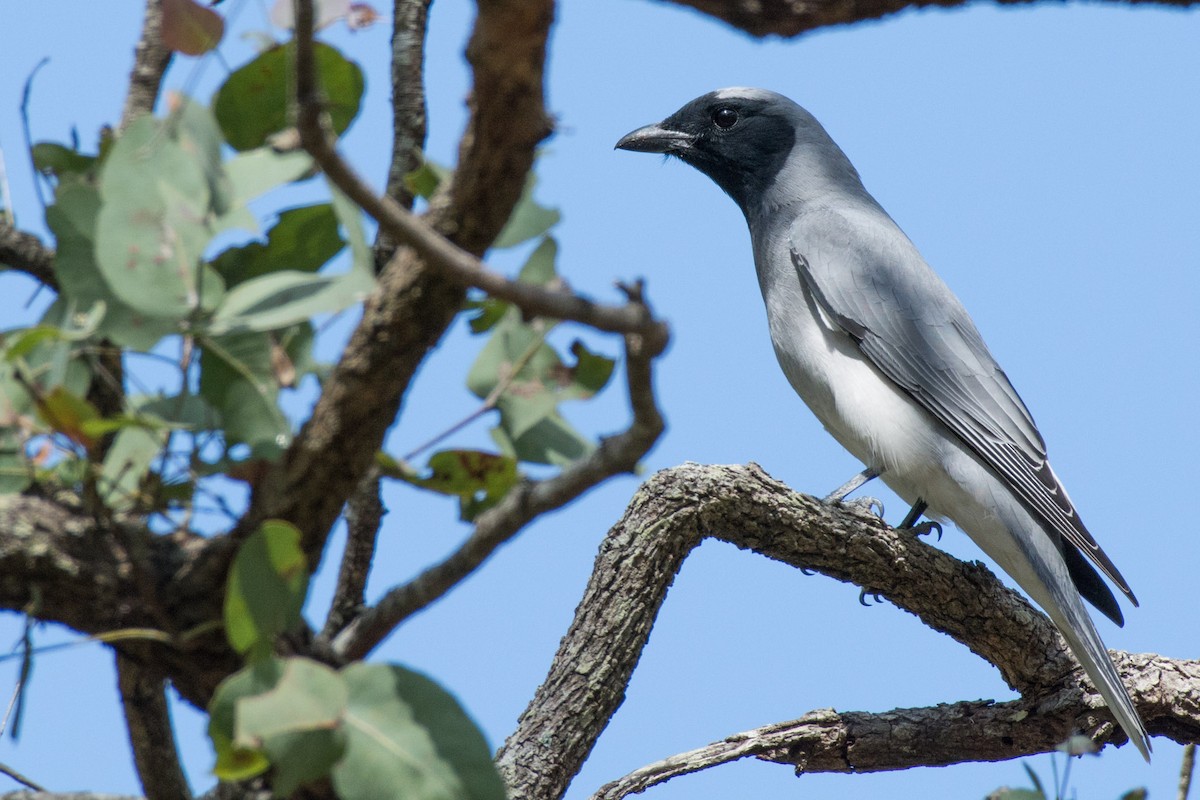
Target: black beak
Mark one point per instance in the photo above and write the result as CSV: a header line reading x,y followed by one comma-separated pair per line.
x,y
655,139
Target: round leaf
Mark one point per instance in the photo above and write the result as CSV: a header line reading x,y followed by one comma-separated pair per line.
x,y
252,104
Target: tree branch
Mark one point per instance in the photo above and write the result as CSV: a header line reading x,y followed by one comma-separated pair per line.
x,y
364,515
856,742
148,719
60,564
679,507
150,61
24,252
409,18
615,455
412,305
788,18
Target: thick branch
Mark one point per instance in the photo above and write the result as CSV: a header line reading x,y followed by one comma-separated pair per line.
x,y
412,305
150,61
615,455
24,252
742,505
60,565
790,18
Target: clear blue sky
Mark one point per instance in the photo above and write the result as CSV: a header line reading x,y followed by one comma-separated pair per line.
x,y
1045,161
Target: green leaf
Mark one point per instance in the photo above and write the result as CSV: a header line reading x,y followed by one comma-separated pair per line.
x,y
182,410
1034,779
296,723
478,479
239,763
197,132
237,377
303,240
252,104
490,310
16,472
551,441
258,171
425,179
528,219
267,586
1016,794
151,231
462,757
280,299
66,412
51,158
590,374
539,268
362,259
126,467
73,220
389,754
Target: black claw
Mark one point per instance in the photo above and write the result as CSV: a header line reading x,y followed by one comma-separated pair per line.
x,y
862,598
807,571
927,527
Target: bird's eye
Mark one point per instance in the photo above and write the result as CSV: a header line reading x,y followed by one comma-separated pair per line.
x,y
725,117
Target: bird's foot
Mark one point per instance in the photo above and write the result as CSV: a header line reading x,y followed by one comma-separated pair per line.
x,y
924,528
871,505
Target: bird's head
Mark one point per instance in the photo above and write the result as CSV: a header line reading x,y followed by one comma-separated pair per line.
x,y
741,138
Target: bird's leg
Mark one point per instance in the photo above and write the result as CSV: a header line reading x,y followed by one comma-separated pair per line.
x,y
838,495
914,514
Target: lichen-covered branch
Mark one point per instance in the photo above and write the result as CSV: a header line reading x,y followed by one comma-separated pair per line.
x,y
409,18
59,564
150,61
679,507
25,252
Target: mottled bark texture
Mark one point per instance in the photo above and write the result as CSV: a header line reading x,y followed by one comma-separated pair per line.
x,y
679,507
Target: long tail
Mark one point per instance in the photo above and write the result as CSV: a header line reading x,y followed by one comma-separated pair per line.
x,y
1065,608
1045,577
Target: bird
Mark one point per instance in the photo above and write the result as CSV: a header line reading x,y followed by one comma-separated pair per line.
x,y
889,361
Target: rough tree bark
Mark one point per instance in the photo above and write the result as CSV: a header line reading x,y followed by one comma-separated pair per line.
x,y
59,563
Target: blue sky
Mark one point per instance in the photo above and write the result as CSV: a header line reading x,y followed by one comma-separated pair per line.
x,y
1045,161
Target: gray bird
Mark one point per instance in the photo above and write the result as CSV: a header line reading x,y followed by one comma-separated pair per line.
x,y
887,358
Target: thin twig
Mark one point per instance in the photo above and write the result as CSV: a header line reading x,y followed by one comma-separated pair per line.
x,y
26,95
615,455
1186,768
438,251
21,779
364,515
488,403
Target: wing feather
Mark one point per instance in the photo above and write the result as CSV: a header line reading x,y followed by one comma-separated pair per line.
x,y
916,332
